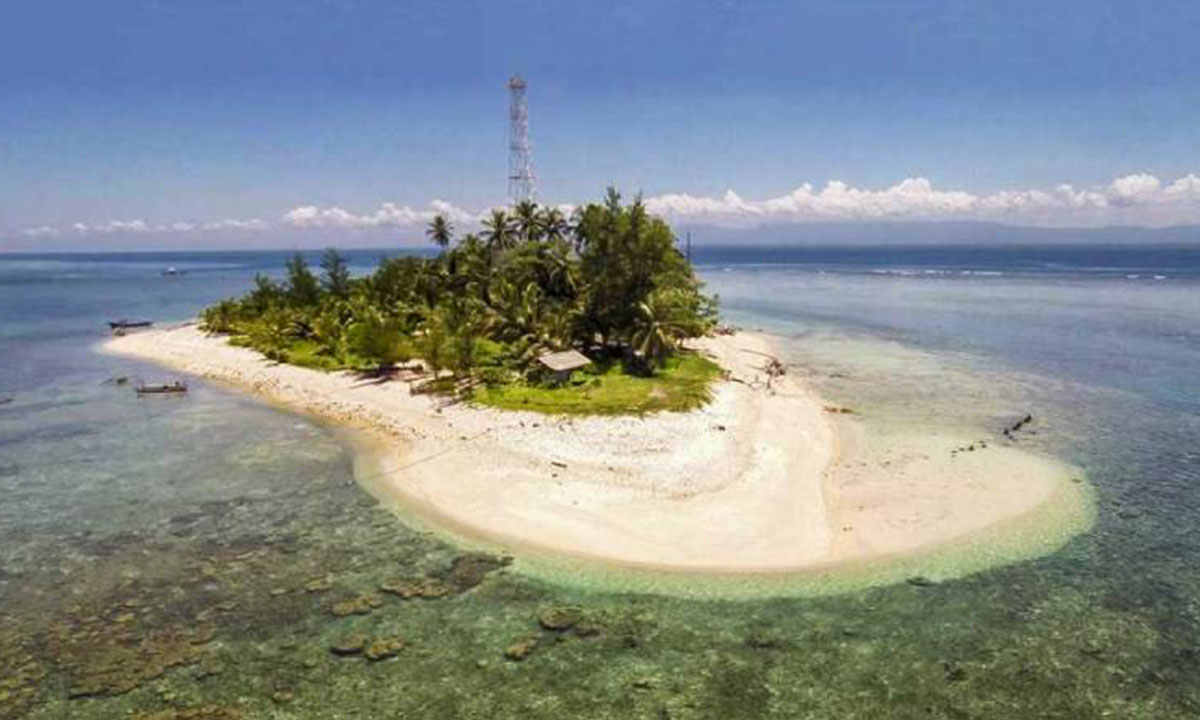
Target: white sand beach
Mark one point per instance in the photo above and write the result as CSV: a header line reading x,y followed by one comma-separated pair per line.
x,y
760,480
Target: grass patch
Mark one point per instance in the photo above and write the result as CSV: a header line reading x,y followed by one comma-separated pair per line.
x,y
683,384
307,353
604,388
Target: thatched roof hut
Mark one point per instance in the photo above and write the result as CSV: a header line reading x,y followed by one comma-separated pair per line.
x,y
562,363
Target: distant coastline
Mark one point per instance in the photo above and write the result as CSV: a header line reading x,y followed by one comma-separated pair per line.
x,y
758,481
839,233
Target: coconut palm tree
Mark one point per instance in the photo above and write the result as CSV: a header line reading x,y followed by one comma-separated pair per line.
x,y
553,224
529,322
222,317
440,231
558,325
519,308
381,338
470,266
657,330
273,332
329,327
463,319
527,219
431,341
560,273
498,232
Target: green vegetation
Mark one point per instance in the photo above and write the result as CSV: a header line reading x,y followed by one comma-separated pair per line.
x,y
682,384
608,281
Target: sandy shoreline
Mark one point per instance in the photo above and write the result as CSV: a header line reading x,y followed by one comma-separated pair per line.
x,y
757,481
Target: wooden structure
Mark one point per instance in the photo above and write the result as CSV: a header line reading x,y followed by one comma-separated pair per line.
x,y
562,363
163,389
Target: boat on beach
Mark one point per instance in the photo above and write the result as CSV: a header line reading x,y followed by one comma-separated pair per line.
x,y
128,324
161,388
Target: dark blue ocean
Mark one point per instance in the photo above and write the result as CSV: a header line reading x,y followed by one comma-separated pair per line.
x,y
156,555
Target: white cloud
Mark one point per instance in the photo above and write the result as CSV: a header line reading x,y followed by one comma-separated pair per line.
x,y
229,224
1134,190
1188,185
1139,199
1135,199
452,213
117,227
388,215
121,226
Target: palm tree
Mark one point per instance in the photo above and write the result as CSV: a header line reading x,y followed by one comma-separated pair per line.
x,y
657,331
471,264
222,317
519,308
329,327
440,231
379,337
527,220
560,274
553,224
529,322
578,230
431,341
463,319
273,333
559,325
498,232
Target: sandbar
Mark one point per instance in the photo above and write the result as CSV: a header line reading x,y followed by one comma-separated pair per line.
x,y
763,479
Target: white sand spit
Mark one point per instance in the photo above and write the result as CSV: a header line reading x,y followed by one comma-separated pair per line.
x,y
759,480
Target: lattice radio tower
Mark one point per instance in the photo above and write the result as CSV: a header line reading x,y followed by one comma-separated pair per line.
x,y
520,151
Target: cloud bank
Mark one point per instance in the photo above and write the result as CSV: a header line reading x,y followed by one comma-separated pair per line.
x,y
141,227
388,215
1138,199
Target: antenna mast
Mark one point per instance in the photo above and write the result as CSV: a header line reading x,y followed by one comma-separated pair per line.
x,y
520,151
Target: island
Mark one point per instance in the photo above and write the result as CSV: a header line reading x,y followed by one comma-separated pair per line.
x,y
662,441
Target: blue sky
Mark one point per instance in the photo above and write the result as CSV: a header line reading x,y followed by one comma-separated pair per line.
x,y
185,113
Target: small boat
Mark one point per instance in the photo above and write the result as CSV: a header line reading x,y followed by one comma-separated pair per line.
x,y
126,324
173,272
161,389
5,400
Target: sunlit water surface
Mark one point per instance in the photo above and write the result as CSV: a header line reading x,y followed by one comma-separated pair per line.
x,y
184,557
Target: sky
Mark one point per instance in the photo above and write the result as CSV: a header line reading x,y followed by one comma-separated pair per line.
x,y
190,123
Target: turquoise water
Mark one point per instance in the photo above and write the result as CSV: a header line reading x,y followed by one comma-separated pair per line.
x,y
182,557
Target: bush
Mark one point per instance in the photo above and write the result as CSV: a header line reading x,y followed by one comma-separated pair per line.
x,y
494,375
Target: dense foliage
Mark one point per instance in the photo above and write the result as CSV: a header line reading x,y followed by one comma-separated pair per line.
x,y
609,281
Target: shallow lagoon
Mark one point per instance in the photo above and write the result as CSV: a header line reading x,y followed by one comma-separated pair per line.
x,y
181,558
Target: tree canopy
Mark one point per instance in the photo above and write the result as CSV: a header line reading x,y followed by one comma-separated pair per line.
x,y
609,281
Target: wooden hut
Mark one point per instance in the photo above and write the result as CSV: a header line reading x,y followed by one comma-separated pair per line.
x,y
562,363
